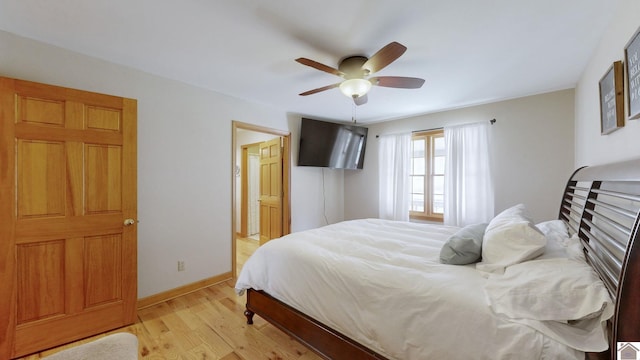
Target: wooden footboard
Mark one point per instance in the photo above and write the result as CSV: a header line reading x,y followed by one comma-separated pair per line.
x,y
320,338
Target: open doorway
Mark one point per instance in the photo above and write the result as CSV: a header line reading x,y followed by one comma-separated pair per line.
x,y
249,142
249,173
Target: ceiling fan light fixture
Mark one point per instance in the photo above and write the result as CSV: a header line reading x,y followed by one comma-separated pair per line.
x,y
355,70
355,87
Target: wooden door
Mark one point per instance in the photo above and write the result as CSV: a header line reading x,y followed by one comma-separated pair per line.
x,y
270,190
68,265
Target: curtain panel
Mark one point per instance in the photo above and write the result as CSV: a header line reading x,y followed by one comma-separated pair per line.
x,y
394,168
468,192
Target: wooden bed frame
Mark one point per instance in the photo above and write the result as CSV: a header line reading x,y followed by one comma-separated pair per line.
x,y
600,203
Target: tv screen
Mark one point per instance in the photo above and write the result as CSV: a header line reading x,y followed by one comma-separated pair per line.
x,y
327,144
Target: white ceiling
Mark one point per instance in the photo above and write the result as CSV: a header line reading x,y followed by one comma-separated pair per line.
x,y
469,51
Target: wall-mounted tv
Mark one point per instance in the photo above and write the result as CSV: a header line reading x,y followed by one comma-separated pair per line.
x,y
333,145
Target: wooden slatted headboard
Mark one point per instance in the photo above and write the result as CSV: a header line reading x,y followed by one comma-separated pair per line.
x,y
602,205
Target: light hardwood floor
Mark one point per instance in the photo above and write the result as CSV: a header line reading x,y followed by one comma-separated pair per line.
x,y
206,324
244,248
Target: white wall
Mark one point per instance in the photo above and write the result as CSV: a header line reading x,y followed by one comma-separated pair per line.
x,y
591,147
184,160
531,152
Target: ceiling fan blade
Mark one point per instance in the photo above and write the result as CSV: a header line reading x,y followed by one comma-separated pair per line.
x,y
397,82
384,57
318,66
320,89
360,100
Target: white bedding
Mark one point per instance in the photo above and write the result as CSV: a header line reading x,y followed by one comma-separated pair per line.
x,y
380,282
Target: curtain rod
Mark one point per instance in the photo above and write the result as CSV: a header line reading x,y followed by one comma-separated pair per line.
x,y
492,121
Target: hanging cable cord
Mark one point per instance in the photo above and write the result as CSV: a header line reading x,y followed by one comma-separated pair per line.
x,y
324,200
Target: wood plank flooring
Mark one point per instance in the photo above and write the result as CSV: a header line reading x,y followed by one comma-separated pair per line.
x,y
206,324
244,248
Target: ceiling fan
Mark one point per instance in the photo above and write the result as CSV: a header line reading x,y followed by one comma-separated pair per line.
x,y
355,70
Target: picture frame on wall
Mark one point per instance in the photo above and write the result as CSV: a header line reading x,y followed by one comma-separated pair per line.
x,y
611,99
632,67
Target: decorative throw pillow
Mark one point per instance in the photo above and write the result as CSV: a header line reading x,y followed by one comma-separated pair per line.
x,y
510,238
464,247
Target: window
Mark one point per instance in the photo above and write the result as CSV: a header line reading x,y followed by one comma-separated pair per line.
x,y
427,175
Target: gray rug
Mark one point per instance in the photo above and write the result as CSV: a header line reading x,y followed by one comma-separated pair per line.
x,y
121,346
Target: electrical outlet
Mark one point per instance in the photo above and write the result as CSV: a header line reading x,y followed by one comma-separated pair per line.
x,y
180,265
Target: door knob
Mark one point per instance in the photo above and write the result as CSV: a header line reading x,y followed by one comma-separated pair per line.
x,y
129,222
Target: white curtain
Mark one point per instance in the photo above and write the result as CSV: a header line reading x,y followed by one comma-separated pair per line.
x,y
394,167
468,191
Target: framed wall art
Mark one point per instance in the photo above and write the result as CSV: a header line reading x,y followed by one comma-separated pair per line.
x,y
611,99
632,62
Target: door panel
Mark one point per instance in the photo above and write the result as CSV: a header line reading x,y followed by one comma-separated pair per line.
x,y
40,111
103,178
270,190
71,269
42,272
275,229
103,118
41,179
102,269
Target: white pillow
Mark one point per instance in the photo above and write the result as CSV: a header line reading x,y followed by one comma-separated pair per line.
x,y
557,236
575,249
510,238
552,289
553,250
555,229
562,298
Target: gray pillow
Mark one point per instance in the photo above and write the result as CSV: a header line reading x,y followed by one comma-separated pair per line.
x,y
465,246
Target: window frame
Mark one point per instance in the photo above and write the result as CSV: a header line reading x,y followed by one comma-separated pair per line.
x,y
429,136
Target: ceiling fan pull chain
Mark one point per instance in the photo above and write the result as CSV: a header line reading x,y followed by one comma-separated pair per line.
x,y
353,112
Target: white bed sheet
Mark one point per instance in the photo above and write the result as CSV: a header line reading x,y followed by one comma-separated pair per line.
x,y
380,282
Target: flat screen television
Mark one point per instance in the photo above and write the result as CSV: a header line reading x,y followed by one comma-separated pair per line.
x,y
332,145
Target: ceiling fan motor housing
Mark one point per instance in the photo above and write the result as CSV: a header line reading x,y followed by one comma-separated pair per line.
x,y
352,67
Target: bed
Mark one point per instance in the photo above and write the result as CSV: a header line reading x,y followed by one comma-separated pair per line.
x,y
375,289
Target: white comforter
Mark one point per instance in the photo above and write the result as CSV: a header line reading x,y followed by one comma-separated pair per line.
x,y
381,283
